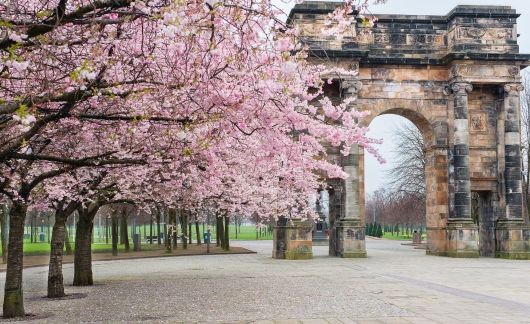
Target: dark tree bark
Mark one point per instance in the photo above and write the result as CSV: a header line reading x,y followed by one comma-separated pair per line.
x,y
184,225
217,236
197,231
125,230
83,249
151,230
4,225
174,223
226,241
114,235
55,272
189,229
13,297
220,232
158,228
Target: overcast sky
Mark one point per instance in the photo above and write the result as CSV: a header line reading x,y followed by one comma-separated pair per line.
x,y
382,126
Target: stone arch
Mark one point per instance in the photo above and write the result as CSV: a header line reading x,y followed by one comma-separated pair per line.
x,y
461,92
435,136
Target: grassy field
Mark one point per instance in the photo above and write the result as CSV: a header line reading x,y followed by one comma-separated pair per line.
x,y
245,232
401,237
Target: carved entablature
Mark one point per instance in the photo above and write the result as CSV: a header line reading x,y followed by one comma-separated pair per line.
x,y
483,33
477,72
466,31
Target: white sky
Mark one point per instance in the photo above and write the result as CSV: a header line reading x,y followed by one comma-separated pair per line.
x,y
381,127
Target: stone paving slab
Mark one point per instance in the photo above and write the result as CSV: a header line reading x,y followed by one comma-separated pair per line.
x,y
395,284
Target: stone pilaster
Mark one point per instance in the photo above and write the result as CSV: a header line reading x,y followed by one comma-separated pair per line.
x,y
512,234
512,151
350,229
462,233
293,240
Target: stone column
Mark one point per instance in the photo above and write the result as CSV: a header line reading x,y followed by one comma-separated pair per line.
x,y
512,234
350,229
512,151
462,233
462,183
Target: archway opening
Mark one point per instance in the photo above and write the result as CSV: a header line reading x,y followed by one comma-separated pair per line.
x,y
395,193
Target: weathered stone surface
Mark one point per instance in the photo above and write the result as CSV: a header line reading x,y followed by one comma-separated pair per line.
x,y
456,77
293,241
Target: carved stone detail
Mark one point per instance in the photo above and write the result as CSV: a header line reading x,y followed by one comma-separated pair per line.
x,y
472,32
461,87
513,88
478,122
459,70
351,87
354,66
381,38
514,71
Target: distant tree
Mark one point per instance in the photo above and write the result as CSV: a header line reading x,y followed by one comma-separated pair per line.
x,y
379,231
408,172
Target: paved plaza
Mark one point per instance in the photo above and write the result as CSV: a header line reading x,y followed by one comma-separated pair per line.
x,y
395,284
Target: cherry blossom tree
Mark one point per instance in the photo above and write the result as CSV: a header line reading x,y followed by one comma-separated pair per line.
x,y
208,101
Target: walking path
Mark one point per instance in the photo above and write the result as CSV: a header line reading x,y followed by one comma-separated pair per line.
x,y
395,284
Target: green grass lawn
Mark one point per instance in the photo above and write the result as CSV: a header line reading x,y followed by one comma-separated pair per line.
x,y
245,232
401,237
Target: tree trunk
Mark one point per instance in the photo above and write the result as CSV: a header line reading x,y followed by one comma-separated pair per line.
x,y
151,230
83,249
184,225
125,231
55,272
114,234
168,238
197,232
13,298
189,228
221,237
217,232
175,230
226,241
4,225
158,228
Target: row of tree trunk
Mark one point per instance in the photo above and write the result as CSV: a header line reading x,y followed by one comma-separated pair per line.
x,y
83,276
222,232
